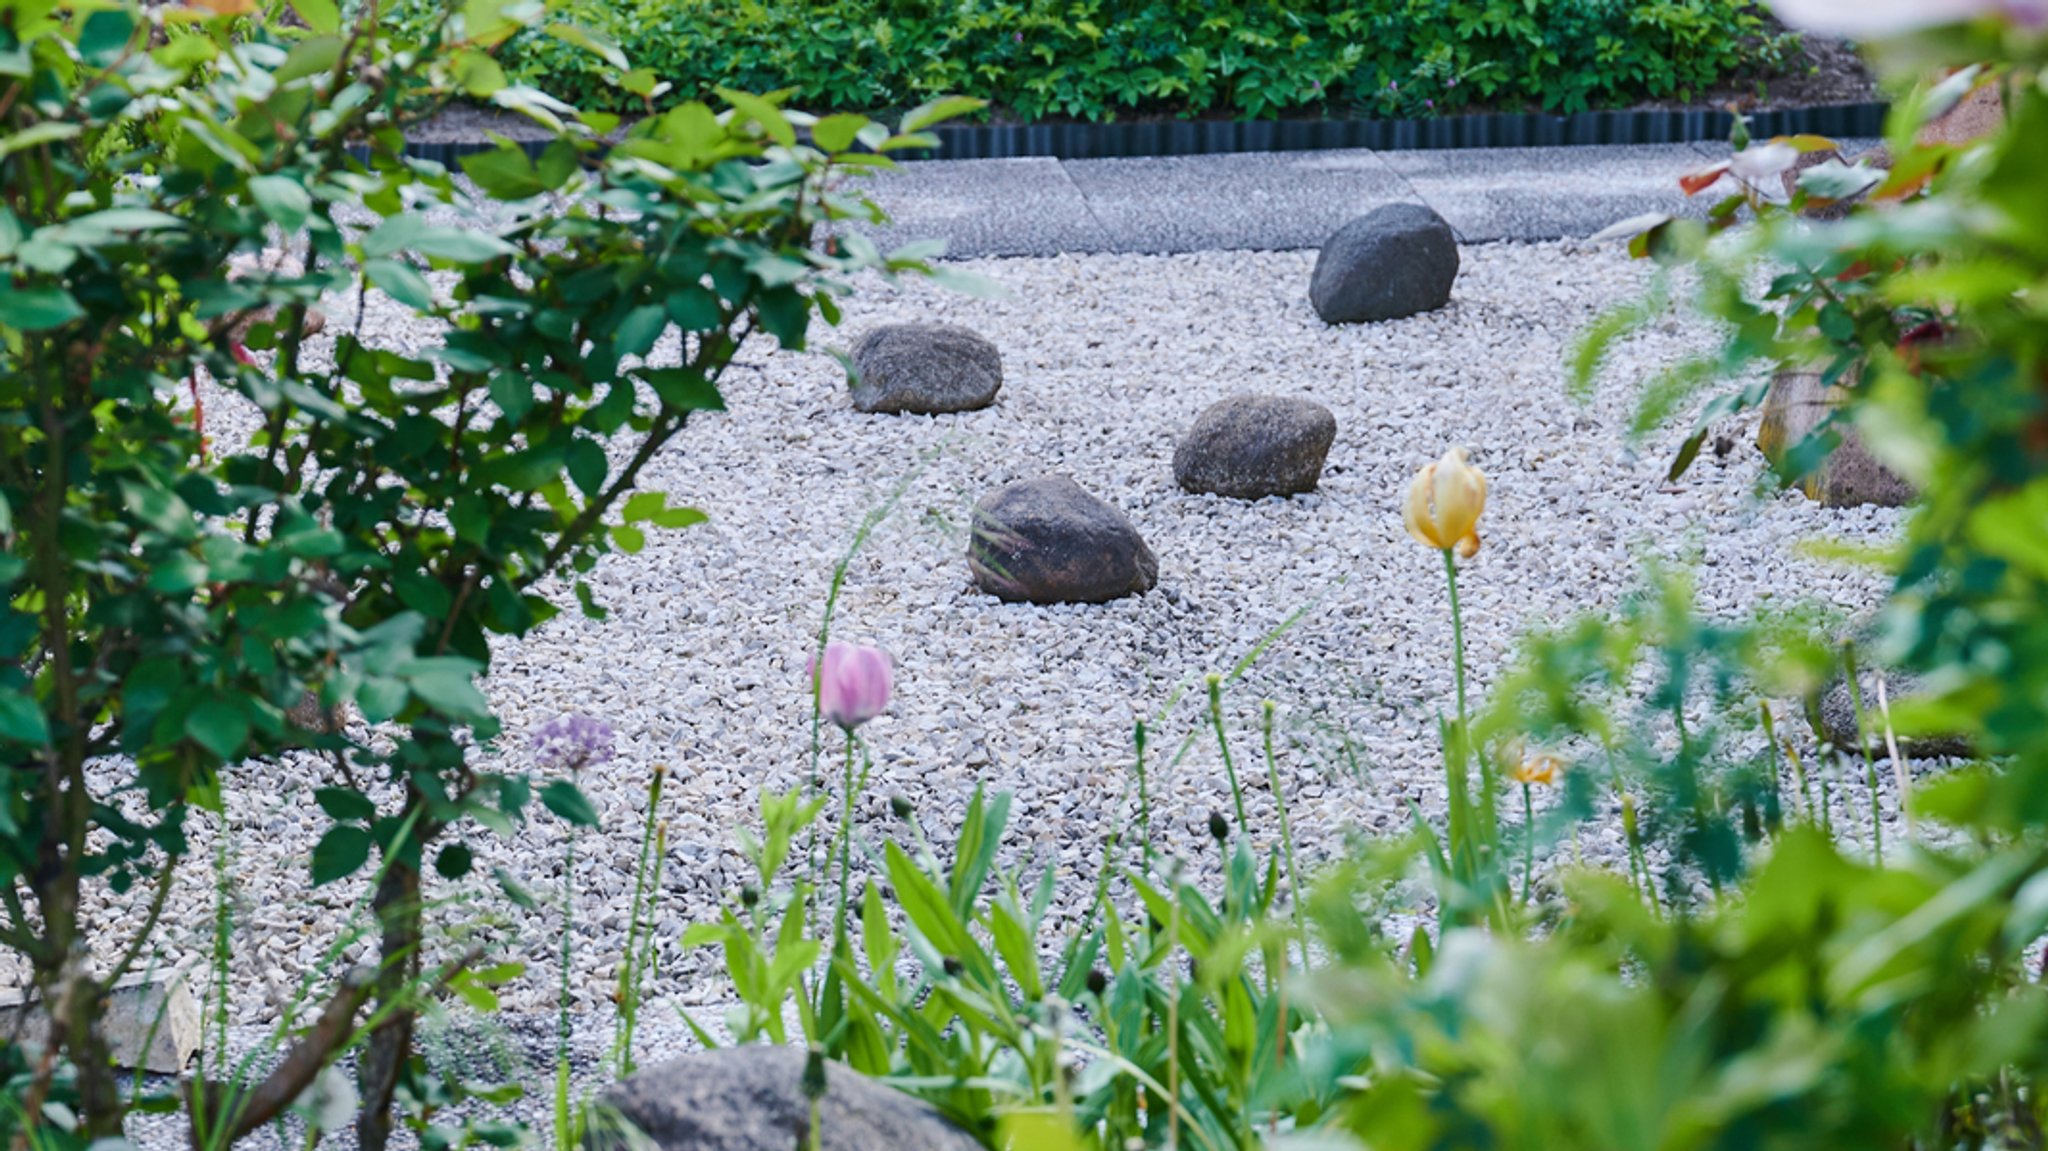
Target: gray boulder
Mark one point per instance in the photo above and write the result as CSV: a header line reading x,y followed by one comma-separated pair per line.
x,y
1394,261
1250,446
1794,409
751,1099
1838,720
925,369
1047,541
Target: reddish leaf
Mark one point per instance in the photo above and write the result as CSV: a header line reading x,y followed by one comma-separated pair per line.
x,y
1693,183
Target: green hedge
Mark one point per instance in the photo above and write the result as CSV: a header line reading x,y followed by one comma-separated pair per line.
x,y
1106,59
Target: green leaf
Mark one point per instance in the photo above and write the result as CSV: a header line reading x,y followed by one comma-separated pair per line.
x,y
636,333
220,726
446,684
514,890
402,282
567,800
640,506
343,804
36,309
283,199
505,172
680,518
320,15
684,389
944,108
926,905
21,720
454,861
596,43
628,539
587,466
340,853
773,123
837,133
412,233
47,132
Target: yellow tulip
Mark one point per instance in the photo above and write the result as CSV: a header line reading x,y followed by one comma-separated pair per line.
x,y
1444,504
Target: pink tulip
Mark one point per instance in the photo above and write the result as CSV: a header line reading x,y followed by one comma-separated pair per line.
x,y
854,683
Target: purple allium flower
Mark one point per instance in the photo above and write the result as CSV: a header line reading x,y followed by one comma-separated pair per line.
x,y
1451,83
1017,36
572,743
1393,85
1429,103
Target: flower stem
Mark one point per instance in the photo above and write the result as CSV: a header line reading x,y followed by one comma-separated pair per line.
x,y
845,851
1286,838
1223,742
1528,842
1457,631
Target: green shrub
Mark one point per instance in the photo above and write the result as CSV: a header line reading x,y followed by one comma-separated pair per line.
x,y
1104,59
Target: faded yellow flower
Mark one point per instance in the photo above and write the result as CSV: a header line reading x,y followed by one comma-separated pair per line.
x,y
1444,504
1531,767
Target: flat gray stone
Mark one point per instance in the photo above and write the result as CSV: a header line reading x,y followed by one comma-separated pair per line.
x,y
1047,541
1396,260
1257,201
1247,447
1550,193
152,1020
751,1099
925,369
1020,207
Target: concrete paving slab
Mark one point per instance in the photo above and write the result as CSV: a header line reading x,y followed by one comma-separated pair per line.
x,y
1549,193
1258,201
1018,207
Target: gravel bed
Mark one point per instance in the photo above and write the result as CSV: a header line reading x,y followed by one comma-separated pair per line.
x,y
1107,360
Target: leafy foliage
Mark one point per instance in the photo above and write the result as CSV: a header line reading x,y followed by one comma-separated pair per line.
x,y
1101,59
174,186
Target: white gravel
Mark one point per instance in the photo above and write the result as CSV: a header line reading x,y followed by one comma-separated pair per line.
x,y
1106,359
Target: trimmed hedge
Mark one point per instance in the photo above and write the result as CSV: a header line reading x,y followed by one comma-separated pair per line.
x,y
1109,59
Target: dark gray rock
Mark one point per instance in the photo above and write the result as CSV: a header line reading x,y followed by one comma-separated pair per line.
x,y
1047,541
925,369
1393,261
1249,446
1838,720
751,1099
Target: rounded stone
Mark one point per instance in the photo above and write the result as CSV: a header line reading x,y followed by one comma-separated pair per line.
x,y
1047,541
751,1099
1837,718
1394,261
1248,446
925,369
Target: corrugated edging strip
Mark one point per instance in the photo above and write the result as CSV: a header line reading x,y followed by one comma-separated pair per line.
x,y
1214,137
